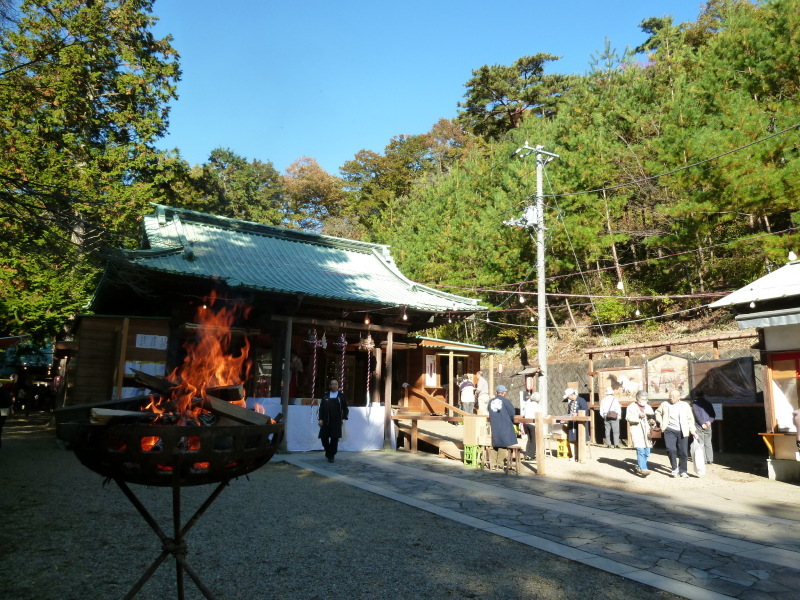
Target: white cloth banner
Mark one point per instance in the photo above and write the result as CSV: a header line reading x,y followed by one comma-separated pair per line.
x,y
364,426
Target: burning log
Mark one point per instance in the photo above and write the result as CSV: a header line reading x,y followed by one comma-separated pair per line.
x,y
160,384
228,393
235,412
106,416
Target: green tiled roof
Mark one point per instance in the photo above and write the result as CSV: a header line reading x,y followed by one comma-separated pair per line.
x,y
278,260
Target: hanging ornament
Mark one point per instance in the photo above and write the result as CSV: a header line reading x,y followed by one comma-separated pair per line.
x,y
341,344
311,338
368,345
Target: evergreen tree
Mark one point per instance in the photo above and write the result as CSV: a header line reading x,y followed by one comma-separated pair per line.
x,y
84,95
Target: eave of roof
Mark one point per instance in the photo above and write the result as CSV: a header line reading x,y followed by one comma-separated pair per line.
x,y
283,261
780,284
439,344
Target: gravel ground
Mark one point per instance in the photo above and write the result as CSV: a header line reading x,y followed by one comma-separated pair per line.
x,y
285,534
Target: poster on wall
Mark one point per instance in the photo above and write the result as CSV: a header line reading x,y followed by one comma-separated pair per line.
x,y
623,381
667,372
728,380
430,371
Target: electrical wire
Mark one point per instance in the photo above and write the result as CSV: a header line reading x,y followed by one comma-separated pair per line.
x,y
679,169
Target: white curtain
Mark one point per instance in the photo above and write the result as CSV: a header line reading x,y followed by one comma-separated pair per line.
x,y
364,426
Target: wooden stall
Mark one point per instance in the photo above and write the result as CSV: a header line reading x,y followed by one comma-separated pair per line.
x,y
662,367
108,348
771,305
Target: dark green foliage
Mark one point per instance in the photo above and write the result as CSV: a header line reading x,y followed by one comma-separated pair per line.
x,y
84,89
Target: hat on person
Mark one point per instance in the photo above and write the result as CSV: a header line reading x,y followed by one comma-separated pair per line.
x,y
609,391
569,391
501,388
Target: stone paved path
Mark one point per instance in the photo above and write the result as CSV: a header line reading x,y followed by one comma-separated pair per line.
x,y
695,547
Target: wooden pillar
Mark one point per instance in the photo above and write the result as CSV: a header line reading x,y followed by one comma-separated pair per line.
x,y
581,441
491,375
387,396
716,349
119,372
591,392
287,353
451,392
375,392
538,427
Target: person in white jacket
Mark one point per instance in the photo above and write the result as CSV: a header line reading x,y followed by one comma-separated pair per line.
x,y
639,415
676,420
531,409
610,412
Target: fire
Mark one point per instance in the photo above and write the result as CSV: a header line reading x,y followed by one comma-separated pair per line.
x,y
149,442
210,361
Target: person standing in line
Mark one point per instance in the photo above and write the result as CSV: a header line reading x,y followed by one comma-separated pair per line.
x,y
483,394
531,409
501,419
675,418
640,416
331,414
466,395
610,412
704,416
575,404
6,407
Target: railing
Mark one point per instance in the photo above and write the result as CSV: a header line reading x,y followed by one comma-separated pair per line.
x,y
435,405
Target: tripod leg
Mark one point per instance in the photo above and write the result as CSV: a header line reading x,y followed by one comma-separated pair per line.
x,y
149,573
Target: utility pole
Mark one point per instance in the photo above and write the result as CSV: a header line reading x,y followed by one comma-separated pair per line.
x,y
534,218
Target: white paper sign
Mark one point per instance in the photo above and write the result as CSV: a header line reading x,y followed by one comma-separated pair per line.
x,y
156,342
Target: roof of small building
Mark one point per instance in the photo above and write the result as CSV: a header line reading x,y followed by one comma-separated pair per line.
x,y
440,344
781,283
277,260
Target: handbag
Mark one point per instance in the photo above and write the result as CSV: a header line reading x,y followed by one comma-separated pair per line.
x,y
698,458
655,433
612,415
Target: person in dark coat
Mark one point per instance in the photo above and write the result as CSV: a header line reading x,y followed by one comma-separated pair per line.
x,y
704,416
575,404
332,412
6,405
501,419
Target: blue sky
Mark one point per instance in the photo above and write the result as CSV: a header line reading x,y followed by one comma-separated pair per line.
x,y
275,81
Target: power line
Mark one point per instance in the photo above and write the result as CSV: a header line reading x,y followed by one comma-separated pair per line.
x,y
679,169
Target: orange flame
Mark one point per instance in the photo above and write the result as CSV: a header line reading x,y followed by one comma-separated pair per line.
x,y
149,442
209,360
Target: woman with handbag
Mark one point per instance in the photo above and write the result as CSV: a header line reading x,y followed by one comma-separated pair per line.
x,y
610,410
640,417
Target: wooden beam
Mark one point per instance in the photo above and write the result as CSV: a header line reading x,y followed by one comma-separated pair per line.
x,y
354,325
669,343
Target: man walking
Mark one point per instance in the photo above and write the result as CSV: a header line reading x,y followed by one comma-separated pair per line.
x,y
332,412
